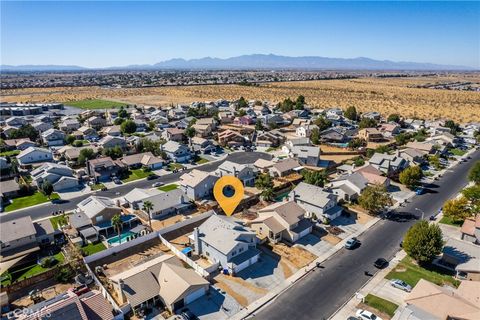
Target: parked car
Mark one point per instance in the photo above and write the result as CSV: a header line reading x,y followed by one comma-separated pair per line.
x,y
380,263
117,181
351,243
400,284
157,184
152,177
419,191
366,315
188,315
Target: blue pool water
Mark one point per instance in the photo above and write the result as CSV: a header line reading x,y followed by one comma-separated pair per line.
x,y
123,236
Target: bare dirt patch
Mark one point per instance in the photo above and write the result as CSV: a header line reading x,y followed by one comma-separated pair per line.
x,y
299,257
330,238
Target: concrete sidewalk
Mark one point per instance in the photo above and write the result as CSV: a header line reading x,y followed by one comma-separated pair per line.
x,y
374,286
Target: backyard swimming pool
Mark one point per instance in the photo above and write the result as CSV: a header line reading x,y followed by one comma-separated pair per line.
x,y
123,236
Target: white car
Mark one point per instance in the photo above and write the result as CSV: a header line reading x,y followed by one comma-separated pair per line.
x,y
402,285
157,184
366,315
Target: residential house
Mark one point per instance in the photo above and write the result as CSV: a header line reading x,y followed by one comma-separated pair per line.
x,y
103,169
87,133
273,120
317,202
282,221
244,172
16,122
203,145
230,138
390,165
42,126
211,122
112,142
203,130
445,139
334,135
389,129
96,122
197,184
18,144
428,301
164,203
427,147
244,120
163,279
291,143
471,229
142,125
348,187
34,155
53,137
306,155
7,130
184,123
9,188
145,159
176,152
263,166
173,134
373,175
456,252
285,167
273,138
226,117
414,156
371,135
226,241
69,125
374,115
305,131
60,176
114,131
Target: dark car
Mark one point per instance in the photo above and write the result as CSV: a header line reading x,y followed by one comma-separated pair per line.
x,y
380,263
152,177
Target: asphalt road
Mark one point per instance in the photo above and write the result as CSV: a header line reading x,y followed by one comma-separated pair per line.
x,y
319,294
46,210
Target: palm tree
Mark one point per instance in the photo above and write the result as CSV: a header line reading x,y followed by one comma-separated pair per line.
x,y
117,225
147,207
267,194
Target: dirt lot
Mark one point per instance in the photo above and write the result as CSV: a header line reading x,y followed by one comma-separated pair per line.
x,y
298,257
47,293
330,238
387,95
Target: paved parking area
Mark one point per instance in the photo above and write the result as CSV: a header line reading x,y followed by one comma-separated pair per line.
x,y
215,305
314,244
267,273
347,224
386,291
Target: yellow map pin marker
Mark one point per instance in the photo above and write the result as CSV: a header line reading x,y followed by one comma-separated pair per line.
x,y
228,203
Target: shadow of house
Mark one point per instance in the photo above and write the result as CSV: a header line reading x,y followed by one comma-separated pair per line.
x,y
265,266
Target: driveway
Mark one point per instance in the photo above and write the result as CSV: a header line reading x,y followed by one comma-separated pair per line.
x,y
347,224
314,244
385,290
214,305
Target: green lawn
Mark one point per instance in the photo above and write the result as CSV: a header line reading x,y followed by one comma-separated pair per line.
x,y
28,201
411,273
458,152
450,221
97,186
272,149
95,104
9,153
168,187
380,304
201,161
136,174
59,221
93,248
30,271
173,166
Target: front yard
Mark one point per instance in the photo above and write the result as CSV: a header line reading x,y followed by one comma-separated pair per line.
x,y
381,304
450,221
458,152
136,174
408,271
168,187
175,166
31,200
59,221
97,186
201,160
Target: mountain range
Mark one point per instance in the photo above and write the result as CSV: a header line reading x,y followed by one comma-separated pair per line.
x,y
258,62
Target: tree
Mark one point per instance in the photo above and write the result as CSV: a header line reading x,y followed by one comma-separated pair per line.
x,y
474,174
148,145
122,113
367,123
69,139
317,178
114,153
454,127
259,125
151,125
128,126
351,113
85,154
47,188
117,224
358,162
472,194
374,199
77,143
190,132
382,149
394,117
356,143
322,123
434,160
286,105
402,138
423,241
315,136
300,103
147,207
119,121
411,176
456,209
25,131
267,194
264,181
242,103
241,113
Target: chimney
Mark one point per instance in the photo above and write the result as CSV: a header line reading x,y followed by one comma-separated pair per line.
x,y
196,239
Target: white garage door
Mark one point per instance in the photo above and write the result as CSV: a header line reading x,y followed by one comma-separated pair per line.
x,y
242,266
194,295
305,232
254,259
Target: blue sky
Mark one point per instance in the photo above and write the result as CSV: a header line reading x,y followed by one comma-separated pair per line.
x,y
97,34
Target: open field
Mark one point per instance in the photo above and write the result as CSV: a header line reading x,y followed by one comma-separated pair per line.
x,y
387,95
94,104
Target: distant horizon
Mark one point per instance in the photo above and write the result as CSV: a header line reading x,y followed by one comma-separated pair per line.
x,y
119,33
